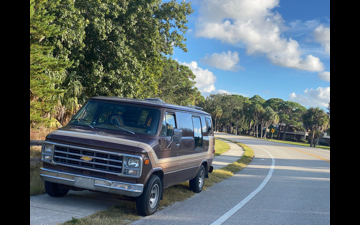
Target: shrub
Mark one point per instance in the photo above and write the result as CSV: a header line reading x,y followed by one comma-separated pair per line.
x,y
291,139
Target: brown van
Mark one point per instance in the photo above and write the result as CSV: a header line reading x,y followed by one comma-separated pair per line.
x,y
129,147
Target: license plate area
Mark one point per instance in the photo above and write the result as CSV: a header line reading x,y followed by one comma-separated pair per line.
x,y
86,183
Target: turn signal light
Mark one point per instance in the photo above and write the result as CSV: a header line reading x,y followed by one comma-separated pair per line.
x,y
147,161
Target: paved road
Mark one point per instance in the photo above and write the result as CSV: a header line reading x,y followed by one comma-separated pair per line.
x,y
284,184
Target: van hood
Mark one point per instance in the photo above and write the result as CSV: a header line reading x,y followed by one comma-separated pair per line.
x,y
102,140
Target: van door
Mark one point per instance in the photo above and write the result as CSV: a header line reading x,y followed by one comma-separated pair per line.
x,y
168,150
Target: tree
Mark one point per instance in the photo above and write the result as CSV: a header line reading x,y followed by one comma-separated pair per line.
x,y
176,84
315,119
42,61
270,117
291,114
237,114
328,128
257,112
124,44
218,114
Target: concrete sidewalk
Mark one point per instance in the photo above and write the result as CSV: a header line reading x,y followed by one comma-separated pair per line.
x,y
49,210
234,153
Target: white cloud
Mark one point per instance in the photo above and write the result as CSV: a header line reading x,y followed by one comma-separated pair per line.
x,y
324,76
222,92
205,79
251,22
322,36
311,97
225,61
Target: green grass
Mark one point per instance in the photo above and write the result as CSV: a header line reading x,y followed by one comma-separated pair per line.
x,y
297,143
36,183
35,151
126,212
220,147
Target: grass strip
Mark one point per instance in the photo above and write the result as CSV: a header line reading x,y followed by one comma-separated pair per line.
x,y
126,212
220,147
36,183
297,143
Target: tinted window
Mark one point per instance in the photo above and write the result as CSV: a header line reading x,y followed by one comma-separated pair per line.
x,y
208,126
168,124
197,132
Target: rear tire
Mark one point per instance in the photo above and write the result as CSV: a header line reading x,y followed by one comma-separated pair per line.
x,y
148,202
197,183
55,190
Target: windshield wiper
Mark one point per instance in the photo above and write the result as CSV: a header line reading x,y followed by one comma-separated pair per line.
x,y
124,129
81,120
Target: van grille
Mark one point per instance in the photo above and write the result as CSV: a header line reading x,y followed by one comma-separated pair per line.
x,y
96,161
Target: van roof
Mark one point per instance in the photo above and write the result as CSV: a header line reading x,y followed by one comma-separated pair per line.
x,y
148,103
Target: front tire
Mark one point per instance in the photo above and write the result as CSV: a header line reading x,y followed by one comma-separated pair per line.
x,y
197,183
55,190
148,202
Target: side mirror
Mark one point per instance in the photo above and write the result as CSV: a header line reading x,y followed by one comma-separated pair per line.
x,y
177,135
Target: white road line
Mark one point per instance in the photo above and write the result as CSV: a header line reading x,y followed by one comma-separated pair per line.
x,y
231,212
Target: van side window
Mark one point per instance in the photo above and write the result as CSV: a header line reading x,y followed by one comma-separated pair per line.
x,y
197,132
168,124
208,126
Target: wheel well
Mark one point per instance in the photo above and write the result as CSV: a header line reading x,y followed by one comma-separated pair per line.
x,y
206,169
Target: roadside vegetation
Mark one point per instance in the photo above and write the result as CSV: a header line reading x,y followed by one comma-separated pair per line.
x,y
300,144
255,116
220,147
36,183
126,212
35,151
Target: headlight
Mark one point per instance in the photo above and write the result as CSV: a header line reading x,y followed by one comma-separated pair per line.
x,y
47,151
48,148
133,162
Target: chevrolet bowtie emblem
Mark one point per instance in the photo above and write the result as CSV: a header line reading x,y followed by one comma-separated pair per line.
x,y
86,158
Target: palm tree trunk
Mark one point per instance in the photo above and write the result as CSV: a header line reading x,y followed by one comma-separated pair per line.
x,y
237,121
286,126
266,127
215,124
312,138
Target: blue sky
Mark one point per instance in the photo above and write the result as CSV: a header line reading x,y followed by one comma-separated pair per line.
x,y
271,48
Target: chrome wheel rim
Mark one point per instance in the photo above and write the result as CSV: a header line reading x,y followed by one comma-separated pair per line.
x,y
201,178
154,195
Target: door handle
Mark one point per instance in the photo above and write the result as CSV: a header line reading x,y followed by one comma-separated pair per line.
x,y
177,145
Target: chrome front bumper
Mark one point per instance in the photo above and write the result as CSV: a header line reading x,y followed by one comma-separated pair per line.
x,y
91,183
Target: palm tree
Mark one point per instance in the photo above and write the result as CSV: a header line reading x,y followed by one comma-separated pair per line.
x,y
258,111
270,117
236,113
218,114
315,119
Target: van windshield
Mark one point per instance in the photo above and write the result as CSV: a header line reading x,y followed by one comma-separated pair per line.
x,y
118,116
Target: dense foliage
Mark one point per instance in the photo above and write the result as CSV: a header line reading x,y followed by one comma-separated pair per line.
x,y
255,116
85,48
